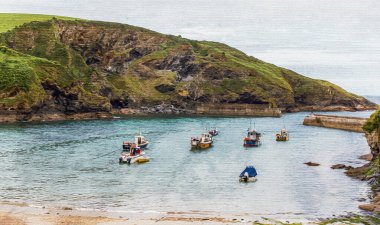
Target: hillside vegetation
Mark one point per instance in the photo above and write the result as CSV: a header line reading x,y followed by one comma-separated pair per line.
x,y
73,66
12,20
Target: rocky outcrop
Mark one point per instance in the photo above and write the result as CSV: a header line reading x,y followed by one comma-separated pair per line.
x,y
77,67
373,140
312,164
370,171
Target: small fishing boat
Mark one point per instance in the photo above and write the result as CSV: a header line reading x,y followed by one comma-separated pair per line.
x,y
283,135
195,142
141,141
127,145
204,142
248,175
213,132
135,155
253,139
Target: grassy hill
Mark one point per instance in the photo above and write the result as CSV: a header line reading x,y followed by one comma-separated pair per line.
x,y
12,20
73,66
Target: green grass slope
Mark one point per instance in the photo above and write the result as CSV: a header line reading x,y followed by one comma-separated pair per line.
x,y
373,122
12,20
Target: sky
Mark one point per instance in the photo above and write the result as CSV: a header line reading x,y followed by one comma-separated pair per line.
x,y
334,40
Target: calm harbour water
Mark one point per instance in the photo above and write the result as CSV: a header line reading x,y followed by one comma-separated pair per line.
x,y
58,164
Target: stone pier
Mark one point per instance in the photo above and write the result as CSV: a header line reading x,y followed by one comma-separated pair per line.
x,y
337,122
257,110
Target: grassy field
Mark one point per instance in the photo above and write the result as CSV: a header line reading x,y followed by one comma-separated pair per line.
x,y
10,20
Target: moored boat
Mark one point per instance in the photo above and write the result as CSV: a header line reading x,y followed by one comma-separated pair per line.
x,y
213,132
248,175
204,142
135,155
283,135
253,139
141,141
194,142
127,145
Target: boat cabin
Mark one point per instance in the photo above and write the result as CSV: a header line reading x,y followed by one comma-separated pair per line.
x,y
139,139
134,150
206,137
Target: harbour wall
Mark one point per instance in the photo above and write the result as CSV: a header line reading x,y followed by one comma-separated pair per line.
x,y
259,110
337,122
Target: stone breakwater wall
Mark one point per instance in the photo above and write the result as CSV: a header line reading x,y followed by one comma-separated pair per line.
x,y
259,110
337,122
12,117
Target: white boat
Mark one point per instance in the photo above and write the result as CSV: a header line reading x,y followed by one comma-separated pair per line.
x,y
204,142
141,141
135,155
194,142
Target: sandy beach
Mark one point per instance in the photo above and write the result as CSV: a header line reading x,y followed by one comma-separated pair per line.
x,y
22,214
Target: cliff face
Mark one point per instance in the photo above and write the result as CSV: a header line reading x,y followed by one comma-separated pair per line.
x,y
72,67
372,128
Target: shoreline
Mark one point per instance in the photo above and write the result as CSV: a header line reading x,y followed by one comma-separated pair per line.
x,y
50,215
11,117
24,214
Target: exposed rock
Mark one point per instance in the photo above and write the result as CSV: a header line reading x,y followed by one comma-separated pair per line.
x,y
358,172
165,88
367,157
367,207
312,164
338,166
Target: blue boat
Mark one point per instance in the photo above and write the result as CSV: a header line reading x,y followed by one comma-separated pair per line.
x,y
252,139
248,175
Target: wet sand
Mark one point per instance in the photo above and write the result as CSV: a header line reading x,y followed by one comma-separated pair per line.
x,y
22,214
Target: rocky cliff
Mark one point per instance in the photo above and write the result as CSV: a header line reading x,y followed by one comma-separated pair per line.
x,y
371,171
62,68
372,128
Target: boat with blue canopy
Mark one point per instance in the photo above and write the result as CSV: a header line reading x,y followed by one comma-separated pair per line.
x,y
248,175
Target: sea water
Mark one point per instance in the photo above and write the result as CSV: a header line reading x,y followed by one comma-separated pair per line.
x,y
75,163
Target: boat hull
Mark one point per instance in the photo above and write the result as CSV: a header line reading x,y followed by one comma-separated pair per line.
x,y
143,145
247,180
205,145
126,158
282,138
252,143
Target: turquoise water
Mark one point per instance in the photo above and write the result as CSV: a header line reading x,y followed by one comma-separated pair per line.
x,y
76,164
